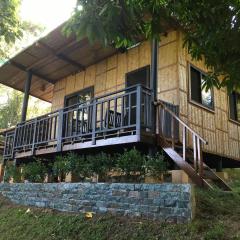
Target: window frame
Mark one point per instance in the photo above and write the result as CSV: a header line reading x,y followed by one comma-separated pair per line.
x,y
148,69
229,110
84,90
199,104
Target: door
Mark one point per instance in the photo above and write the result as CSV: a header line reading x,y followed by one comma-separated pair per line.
x,y
139,76
77,116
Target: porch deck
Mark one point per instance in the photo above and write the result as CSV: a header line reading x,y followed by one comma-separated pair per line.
x,y
119,117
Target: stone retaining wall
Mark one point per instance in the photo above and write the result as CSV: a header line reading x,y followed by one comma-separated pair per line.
x,y
166,202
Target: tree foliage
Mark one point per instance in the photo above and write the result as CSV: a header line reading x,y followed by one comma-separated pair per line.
x,y
10,24
14,32
11,107
212,29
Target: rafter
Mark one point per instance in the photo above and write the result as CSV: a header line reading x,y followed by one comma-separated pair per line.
x,y
25,69
61,56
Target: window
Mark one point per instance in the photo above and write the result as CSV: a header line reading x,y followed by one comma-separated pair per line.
x,y
234,102
139,76
199,94
79,97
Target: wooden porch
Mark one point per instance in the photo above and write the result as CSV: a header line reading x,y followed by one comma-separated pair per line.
x,y
120,117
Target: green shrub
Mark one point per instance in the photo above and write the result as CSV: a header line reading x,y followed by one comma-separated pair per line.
x,y
12,172
100,164
79,166
35,171
61,167
156,165
131,162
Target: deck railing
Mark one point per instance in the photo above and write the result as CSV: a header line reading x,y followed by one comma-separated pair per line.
x,y
179,132
122,112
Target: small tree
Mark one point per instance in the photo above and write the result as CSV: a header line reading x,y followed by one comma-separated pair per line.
x,y
12,173
156,165
100,164
131,163
34,171
79,166
61,167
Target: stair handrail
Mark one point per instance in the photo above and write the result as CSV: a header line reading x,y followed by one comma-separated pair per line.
x,y
197,139
159,102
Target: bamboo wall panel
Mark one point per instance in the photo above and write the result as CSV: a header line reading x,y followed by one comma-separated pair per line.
x,y
173,86
168,69
105,76
183,103
222,135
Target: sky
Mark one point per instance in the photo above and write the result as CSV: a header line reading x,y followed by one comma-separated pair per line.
x,y
49,13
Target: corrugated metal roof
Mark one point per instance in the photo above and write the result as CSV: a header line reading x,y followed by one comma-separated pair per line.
x,y
51,58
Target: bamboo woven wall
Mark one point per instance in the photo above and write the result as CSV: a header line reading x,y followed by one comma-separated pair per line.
x,y
106,76
222,134
109,75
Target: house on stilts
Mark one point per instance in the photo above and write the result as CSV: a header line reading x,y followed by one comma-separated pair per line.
x,y
148,95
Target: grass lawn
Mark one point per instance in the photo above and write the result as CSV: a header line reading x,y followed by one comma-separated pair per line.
x,y
217,217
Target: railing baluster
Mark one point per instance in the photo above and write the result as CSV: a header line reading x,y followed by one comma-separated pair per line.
x,y
60,130
200,161
66,124
129,109
163,121
122,112
34,136
94,122
194,152
50,129
107,114
173,131
115,112
138,111
184,142
101,116
76,124
82,120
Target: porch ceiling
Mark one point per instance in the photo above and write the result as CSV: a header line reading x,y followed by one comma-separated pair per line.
x,y
50,59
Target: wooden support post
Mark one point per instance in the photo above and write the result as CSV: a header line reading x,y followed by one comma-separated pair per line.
x,y
94,122
154,80
138,110
60,130
26,95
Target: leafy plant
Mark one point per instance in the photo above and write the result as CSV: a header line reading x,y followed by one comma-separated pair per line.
x,y
35,171
78,165
61,167
208,26
156,165
12,172
100,164
131,162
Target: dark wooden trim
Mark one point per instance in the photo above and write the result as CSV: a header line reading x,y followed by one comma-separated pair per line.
x,y
26,96
55,130
82,91
25,69
154,79
210,109
147,67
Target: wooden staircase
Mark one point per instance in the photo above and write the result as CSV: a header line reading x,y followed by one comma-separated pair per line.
x,y
190,160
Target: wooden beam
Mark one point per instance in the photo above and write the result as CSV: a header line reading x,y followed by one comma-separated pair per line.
x,y
26,96
25,69
61,56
